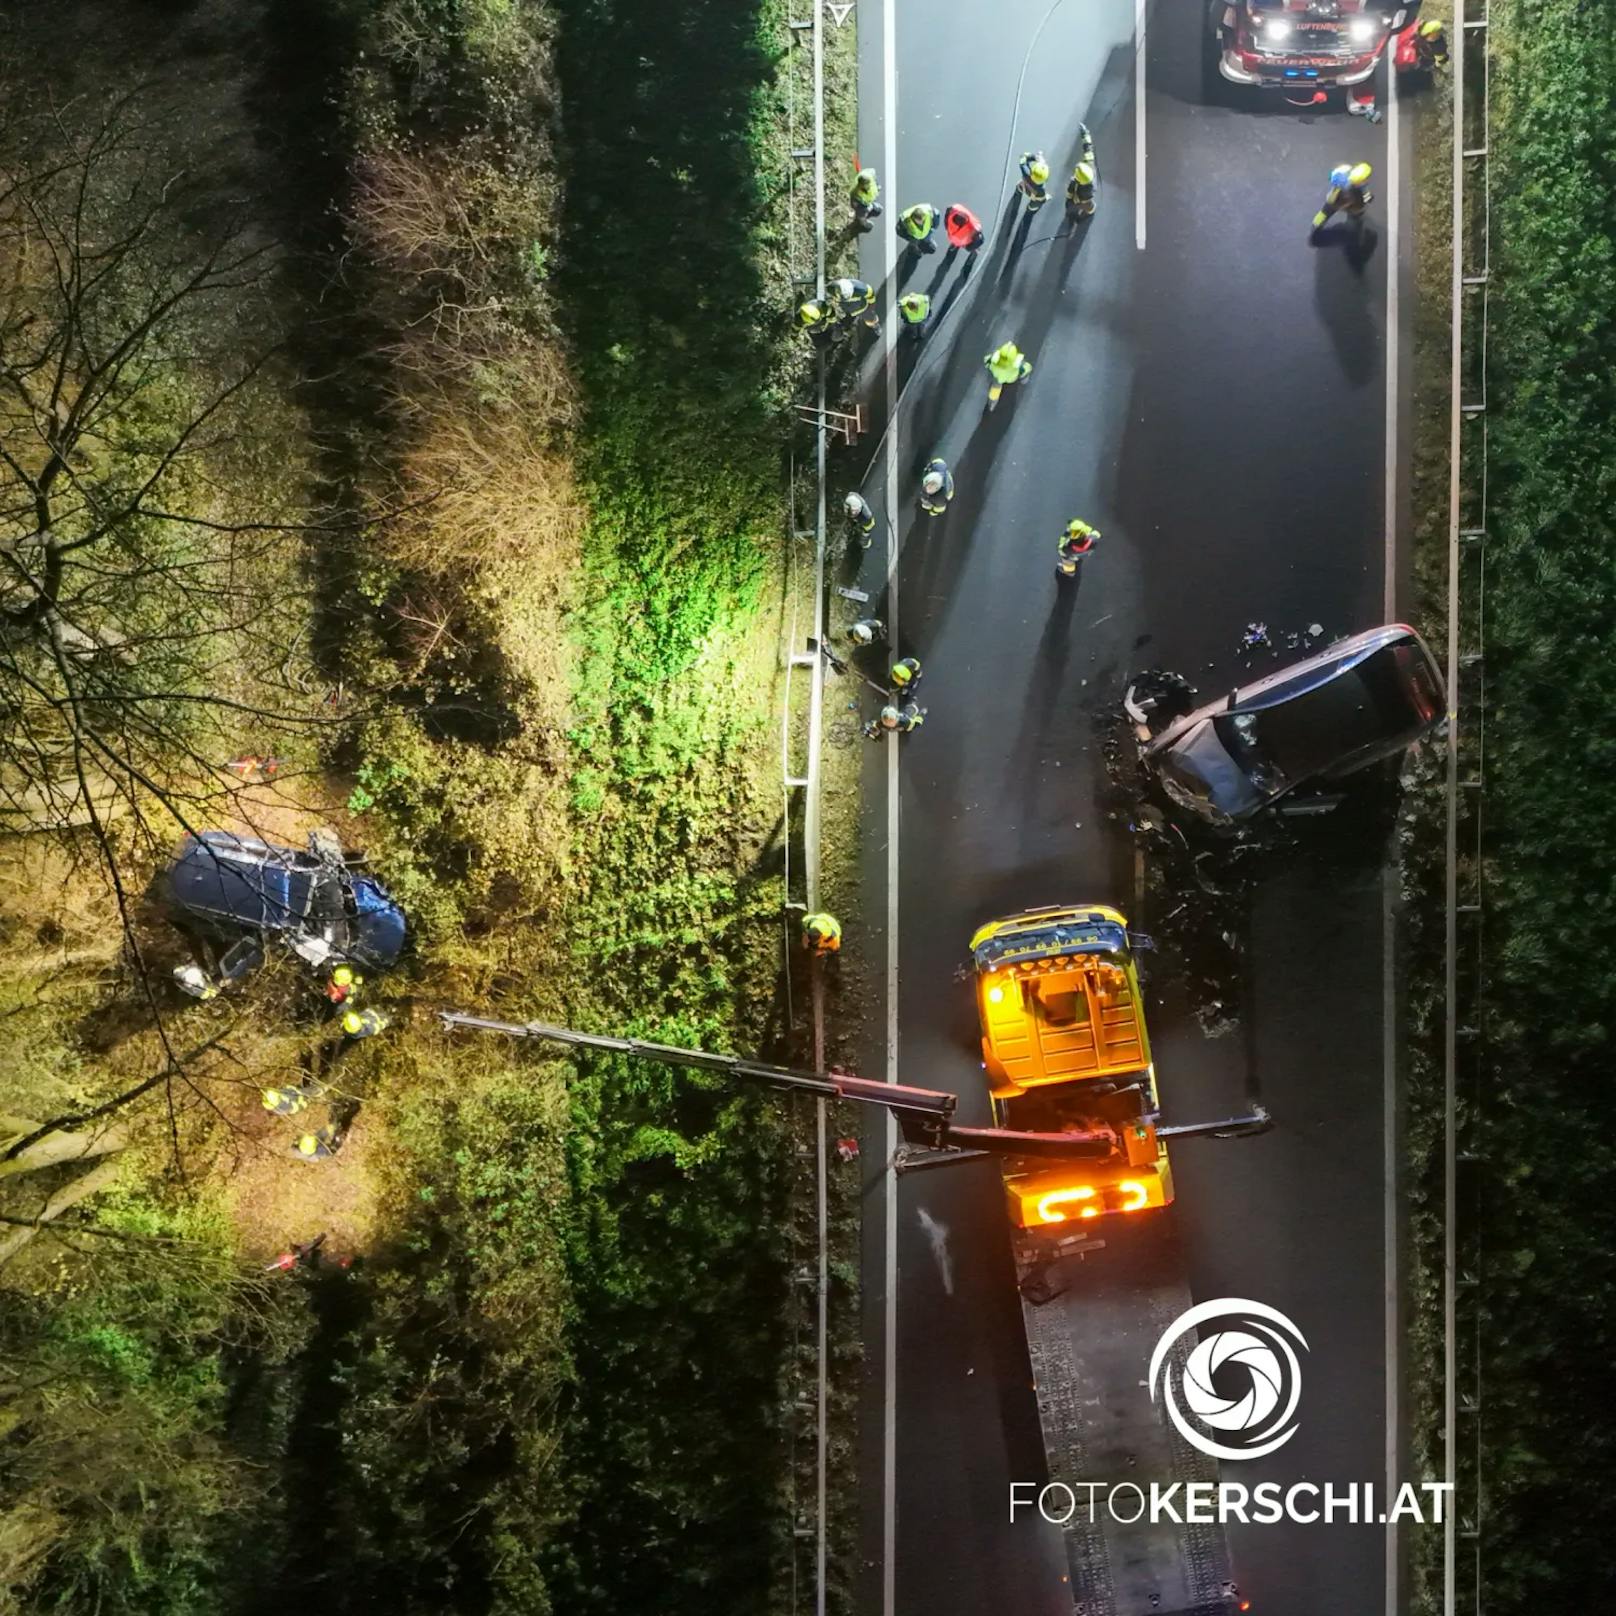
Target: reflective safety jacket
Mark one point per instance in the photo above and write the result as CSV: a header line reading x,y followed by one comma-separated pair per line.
x,y
850,296
1007,364
1078,539
963,227
364,1023
919,221
936,504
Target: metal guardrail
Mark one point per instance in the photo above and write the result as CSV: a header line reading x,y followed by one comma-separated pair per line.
x,y
806,779
1464,1071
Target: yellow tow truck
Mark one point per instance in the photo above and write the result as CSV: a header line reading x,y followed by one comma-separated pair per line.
x,y
1066,1052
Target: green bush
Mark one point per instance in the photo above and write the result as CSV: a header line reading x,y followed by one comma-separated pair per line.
x,y
452,1356
116,1421
1548,1281
672,276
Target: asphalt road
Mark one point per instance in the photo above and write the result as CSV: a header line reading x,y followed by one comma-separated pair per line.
x,y
1215,403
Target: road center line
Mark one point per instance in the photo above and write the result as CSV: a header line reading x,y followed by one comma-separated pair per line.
x,y
1139,123
889,1376
1388,921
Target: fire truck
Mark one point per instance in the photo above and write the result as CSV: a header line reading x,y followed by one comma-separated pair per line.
x,y
1302,44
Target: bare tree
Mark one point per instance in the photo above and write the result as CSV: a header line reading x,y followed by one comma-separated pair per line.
x,y
146,551
153,528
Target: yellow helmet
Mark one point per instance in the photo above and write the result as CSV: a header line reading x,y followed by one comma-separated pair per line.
x,y
1084,173
1360,174
1430,28
352,1021
1039,170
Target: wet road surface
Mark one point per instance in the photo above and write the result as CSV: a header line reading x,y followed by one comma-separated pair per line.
x,y
1215,405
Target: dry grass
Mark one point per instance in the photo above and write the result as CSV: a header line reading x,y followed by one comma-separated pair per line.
x,y
274,1199
488,490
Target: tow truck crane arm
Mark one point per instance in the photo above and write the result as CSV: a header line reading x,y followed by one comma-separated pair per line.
x,y
924,1115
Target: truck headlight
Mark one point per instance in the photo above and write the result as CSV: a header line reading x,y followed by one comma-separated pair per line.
x,y
1363,30
1275,30
1049,1206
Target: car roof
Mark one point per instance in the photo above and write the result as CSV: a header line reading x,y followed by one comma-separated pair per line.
x,y
254,882
1339,710
1330,663
1313,731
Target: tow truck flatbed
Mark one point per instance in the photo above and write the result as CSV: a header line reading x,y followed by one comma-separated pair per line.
x,y
1109,1300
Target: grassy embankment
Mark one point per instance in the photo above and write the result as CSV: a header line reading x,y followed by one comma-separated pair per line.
x,y
1547,1272
557,1380
1421,828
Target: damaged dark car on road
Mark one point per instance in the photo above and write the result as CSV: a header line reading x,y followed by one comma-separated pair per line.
x,y
1284,740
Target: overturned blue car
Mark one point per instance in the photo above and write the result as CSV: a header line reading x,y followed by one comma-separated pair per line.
x,y
234,895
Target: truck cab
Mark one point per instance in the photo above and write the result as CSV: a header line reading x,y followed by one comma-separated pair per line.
x,y
1302,44
1066,1051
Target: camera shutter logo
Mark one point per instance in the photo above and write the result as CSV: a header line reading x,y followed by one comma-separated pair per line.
x,y
1233,1394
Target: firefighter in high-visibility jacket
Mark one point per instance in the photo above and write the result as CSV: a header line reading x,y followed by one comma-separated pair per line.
x,y
866,198
860,517
917,225
821,933
320,1145
1348,193
854,300
1034,183
915,310
895,720
1430,44
817,320
936,487
359,1024
343,984
963,228
905,674
1080,188
1077,540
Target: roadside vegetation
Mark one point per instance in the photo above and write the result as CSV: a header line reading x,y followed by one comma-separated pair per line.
x,y
1547,1275
1422,821
493,566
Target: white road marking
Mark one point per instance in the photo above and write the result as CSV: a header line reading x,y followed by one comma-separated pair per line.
x,y
1388,1040
811,849
1388,922
889,1422
1394,179
1139,123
